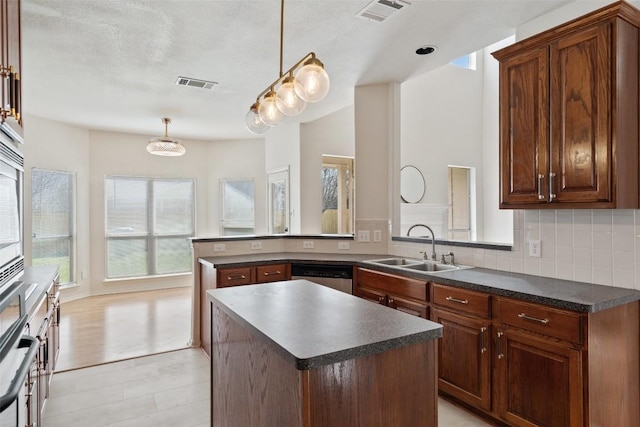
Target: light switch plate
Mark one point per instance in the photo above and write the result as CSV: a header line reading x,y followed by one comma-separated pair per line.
x,y
534,248
377,235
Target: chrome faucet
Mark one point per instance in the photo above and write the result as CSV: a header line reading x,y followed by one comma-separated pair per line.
x,y
433,240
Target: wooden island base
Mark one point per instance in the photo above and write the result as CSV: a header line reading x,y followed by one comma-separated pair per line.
x,y
252,384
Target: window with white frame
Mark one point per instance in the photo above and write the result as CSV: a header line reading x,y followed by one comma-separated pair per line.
x,y
238,206
53,221
148,225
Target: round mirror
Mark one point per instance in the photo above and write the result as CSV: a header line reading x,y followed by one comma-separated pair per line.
x,y
412,184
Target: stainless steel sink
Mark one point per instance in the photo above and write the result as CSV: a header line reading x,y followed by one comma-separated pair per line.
x,y
432,266
417,264
399,262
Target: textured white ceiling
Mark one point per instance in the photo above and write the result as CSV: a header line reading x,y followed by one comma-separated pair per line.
x,y
112,64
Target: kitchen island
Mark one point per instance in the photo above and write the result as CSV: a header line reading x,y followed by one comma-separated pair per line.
x,y
294,353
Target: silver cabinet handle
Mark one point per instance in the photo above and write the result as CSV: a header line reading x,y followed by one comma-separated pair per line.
x,y
552,195
238,277
483,347
533,319
540,195
459,301
500,354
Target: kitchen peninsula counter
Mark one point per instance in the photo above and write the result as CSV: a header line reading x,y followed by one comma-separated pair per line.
x,y
296,353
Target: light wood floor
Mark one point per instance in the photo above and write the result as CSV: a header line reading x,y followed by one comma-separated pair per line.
x,y
108,328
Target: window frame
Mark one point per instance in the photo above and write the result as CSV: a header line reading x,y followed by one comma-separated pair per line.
x,y
73,220
150,236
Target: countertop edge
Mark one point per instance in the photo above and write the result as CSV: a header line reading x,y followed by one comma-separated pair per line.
x,y
444,278
307,363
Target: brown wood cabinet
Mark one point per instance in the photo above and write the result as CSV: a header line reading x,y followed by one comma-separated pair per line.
x,y
211,278
569,114
528,364
10,70
538,378
401,293
464,352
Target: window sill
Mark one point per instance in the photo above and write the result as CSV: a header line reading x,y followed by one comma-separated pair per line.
x,y
157,276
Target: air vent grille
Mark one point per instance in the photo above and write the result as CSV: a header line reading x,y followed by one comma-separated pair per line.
x,y
381,10
11,156
9,271
199,83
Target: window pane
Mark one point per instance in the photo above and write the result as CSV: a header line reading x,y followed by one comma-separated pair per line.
x,y
173,255
127,257
173,207
126,202
149,222
238,206
53,221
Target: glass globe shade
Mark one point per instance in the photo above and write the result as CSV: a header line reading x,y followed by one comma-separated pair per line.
x,y
268,111
287,101
254,122
314,80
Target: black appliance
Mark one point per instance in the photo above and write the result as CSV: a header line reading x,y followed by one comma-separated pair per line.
x,y
17,355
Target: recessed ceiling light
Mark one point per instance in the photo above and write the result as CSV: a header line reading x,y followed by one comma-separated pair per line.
x,y
426,50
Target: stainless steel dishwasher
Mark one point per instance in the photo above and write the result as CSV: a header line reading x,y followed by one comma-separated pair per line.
x,y
333,276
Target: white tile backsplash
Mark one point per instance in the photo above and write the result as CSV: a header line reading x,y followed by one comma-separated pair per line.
x,y
594,246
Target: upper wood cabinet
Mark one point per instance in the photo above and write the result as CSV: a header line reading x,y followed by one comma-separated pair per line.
x,y
569,114
10,70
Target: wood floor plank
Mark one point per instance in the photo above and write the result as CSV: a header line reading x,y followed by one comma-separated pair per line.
x,y
107,328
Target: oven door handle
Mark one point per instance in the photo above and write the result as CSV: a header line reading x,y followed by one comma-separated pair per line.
x,y
16,383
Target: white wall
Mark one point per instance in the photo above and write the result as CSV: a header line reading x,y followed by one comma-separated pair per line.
x,y
56,146
497,224
92,155
330,135
282,149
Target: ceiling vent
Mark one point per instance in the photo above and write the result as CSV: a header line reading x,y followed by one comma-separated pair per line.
x,y
381,10
188,81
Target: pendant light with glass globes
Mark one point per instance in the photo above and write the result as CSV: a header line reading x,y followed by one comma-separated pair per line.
x,y
306,81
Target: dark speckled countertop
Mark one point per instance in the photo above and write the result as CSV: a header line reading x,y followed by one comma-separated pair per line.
x,y
566,294
312,325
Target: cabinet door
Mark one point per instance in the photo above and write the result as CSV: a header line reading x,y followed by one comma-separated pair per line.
x,y
539,382
580,110
407,306
524,124
464,358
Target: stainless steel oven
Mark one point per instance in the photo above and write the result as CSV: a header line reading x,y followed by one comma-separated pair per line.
x,y
18,352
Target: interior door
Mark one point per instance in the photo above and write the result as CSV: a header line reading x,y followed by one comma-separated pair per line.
x,y
278,194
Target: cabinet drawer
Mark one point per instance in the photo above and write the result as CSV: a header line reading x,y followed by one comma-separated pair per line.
x,y
271,273
462,300
397,285
537,318
234,276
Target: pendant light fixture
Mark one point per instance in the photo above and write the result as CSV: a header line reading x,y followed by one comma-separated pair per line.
x,y
306,81
165,146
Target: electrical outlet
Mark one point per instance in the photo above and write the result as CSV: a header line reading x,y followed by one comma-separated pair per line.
x,y
256,245
534,248
219,247
377,235
363,235
343,245
307,244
